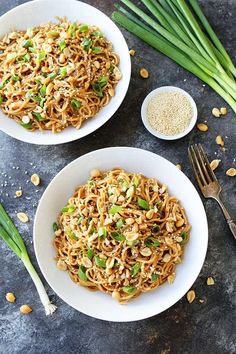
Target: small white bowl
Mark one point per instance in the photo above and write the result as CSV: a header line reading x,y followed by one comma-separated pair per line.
x,y
154,131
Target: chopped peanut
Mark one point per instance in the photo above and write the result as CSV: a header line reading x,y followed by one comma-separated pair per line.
x,y
216,112
132,52
35,179
10,297
219,140
22,217
18,193
223,111
231,172
144,73
25,309
214,164
210,281
202,127
191,296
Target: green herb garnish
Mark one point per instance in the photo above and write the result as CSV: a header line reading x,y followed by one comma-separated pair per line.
x,y
26,125
63,71
52,75
155,228
1,99
76,104
62,44
28,43
97,34
102,232
120,223
143,204
82,273
100,262
154,277
117,236
68,209
55,226
90,253
86,43
96,50
83,28
99,85
135,269
15,78
41,56
72,29
129,289
43,90
152,242
37,116
115,209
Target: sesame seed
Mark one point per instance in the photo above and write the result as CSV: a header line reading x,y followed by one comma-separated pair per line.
x,y
169,113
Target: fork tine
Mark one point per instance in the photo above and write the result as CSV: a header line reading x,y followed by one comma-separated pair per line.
x,y
202,162
207,163
199,169
194,167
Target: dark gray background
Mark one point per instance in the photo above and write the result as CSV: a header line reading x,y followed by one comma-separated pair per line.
x,y
184,328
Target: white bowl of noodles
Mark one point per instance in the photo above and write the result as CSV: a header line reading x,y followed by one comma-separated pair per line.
x,y
40,12
98,304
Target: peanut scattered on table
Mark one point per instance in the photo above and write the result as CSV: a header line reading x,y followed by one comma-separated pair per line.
x,y
35,179
231,172
10,297
25,309
144,73
202,127
191,296
22,217
214,164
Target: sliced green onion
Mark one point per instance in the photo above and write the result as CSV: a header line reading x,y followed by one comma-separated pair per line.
x,y
90,253
83,28
41,56
55,227
75,104
11,236
42,101
26,125
135,269
129,289
15,78
28,43
30,32
37,116
53,34
99,85
32,50
102,232
62,44
38,82
120,223
1,99
136,180
43,90
154,277
80,219
63,71
132,243
115,209
92,230
71,235
72,29
100,262
152,242
185,237
97,34
124,186
96,50
52,75
117,236
82,273
155,229
68,209
143,204
86,43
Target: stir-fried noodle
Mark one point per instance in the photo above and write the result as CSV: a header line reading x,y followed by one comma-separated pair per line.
x,y
121,233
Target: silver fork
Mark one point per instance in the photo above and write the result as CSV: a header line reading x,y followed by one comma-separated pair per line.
x,y
207,180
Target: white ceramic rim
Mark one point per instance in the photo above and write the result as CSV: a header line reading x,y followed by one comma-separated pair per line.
x,y
155,132
200,243
9,21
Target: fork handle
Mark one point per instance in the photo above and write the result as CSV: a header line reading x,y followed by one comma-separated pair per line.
x,y
229,220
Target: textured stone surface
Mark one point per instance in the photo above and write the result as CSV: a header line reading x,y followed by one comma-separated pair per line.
x,y
184,328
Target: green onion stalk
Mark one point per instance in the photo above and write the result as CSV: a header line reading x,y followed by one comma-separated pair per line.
x,y
12,237
171,27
